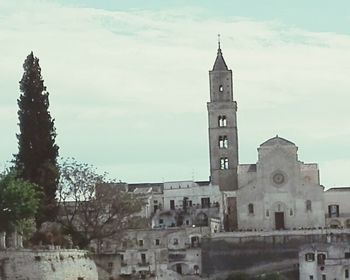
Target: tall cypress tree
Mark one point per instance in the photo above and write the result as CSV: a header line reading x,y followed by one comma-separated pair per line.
x,y
36,160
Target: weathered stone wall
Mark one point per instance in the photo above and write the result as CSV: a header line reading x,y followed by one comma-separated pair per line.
x,y
257,251
46,265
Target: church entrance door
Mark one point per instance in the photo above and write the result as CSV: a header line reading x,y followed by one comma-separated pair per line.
x,y
279,220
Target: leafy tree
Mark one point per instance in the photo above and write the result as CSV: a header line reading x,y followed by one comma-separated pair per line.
x,y
19,201
36,158
90,209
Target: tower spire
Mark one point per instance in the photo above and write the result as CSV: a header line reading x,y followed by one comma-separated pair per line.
x,y
219,64
219,47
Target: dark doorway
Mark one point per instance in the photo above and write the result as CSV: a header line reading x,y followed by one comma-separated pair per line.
x,y
279,220
179,268
172,204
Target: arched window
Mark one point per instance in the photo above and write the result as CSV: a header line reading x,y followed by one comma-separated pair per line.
x,y
221,88
223,142
222,121
250,208
223,163
308,205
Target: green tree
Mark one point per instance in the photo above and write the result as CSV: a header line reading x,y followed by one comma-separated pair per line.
x,y
36,158
19,201
90,209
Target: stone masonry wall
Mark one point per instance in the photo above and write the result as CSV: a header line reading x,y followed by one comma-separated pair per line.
x,y
46,265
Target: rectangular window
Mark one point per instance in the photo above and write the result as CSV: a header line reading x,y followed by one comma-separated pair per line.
x,y
346,273
161,221
333,210
121,257
143,258
140,242
250,208
205,202
308,205
321,258
324,277
309,257
157,242
172,204
347,255
311,277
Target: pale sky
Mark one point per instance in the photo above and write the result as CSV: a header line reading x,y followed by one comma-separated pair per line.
x,y
128,80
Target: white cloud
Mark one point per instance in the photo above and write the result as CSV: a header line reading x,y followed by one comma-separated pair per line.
x,y
127,85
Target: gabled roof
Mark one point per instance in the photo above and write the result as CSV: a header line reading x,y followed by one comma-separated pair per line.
x,y
219,64
277,141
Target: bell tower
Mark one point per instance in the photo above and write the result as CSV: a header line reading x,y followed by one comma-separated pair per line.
x,y
223,142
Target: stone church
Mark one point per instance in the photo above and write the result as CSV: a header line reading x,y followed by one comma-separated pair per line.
x,y
277,192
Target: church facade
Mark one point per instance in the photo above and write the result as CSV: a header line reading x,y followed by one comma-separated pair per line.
x,y
279,191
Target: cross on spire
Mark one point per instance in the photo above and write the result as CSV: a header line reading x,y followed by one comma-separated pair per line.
x,y
219,42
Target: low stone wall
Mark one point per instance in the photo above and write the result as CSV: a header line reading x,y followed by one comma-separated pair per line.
x,y
247,251
57,264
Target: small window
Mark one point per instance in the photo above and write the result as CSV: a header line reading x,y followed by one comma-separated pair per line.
x,y
324,277
176,241
222,121
140,242
161,221
347,255
309,257
121,257
221,88
267,213
223,142
311,277
290,212
308,205
157,242
321,259
143,257
333,211
205,202
250,208
224,163
346,273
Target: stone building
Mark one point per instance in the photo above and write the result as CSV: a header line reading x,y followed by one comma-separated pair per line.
x,y
327,261
337,207
189,203
279,191
165,254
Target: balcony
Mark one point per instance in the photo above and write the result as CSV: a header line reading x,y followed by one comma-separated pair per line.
x,y
143,264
